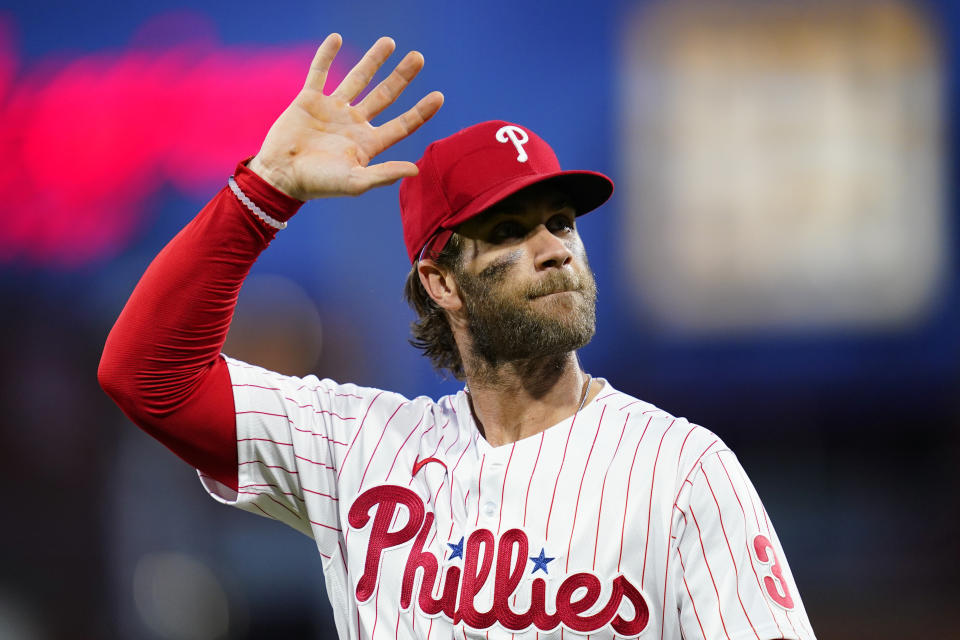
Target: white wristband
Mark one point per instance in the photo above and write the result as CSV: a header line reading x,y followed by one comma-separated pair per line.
x,y
250,204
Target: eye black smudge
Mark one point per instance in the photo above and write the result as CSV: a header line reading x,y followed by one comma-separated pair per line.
x,y
497,271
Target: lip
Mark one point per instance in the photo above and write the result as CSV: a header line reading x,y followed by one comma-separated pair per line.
x,y
554,293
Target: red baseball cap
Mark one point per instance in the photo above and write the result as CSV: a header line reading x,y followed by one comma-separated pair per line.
x,y
470,171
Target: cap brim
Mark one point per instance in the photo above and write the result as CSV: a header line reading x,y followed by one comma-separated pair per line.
x,y
587,189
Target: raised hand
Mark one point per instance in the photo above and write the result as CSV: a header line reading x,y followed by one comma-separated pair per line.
x,y
322,146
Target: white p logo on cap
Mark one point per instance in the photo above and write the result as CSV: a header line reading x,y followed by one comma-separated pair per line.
x,y
517,136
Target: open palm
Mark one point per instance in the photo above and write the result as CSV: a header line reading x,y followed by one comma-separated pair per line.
x,y
322,145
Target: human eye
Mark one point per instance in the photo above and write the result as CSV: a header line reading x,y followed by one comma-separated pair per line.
x,y
507,230
561,223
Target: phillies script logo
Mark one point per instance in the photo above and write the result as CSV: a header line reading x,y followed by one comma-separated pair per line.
x,y
456,602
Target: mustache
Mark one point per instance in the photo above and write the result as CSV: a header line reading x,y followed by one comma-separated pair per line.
x,y
556,282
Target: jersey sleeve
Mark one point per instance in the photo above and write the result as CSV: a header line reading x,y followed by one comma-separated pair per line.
x,y
161,362
292,434
732,574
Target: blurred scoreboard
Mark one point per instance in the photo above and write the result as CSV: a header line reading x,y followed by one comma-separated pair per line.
x,y
782,166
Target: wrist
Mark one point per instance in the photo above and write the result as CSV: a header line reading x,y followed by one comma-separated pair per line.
x,y
269,198
273,177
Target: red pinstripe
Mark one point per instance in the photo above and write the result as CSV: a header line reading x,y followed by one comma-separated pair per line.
x,y
437,448
483,459
653,478
530,482
400,449
264,413
703,633
706,561
269,466
377,446
723,529
396,632
465,449
769,534
437,494
452,520
262,493
244,365
320,493
686,480
503,490
357,434
327,526
319,435
666,564
373,453
319,464
626,500
766,520
556,482
790,620
596,540
272,499
747,542
583,475
315,410
255,386
335,415
755,516
455,441
376,611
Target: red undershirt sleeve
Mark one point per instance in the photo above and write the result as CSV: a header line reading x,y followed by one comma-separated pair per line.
x,y
161,363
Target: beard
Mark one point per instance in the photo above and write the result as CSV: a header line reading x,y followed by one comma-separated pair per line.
x,y
525,321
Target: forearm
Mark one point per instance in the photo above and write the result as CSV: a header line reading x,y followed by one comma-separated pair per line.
x,y
161,361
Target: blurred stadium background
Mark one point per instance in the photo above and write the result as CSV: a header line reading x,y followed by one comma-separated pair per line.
x,y
779,263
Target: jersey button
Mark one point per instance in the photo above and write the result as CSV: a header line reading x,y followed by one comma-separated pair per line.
x,y
489,509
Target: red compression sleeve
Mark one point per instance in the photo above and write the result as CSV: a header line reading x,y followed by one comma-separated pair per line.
x,y
161,362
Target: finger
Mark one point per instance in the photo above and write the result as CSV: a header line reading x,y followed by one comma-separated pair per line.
x,y
379,175
387,91
406,123
317,76
361,74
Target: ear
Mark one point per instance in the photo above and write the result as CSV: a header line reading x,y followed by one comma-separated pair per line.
x,y
440,285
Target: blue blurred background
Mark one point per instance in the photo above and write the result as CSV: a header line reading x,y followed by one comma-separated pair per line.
x,y
778,263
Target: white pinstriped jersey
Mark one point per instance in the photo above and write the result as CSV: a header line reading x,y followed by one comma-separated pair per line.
x,y
621,521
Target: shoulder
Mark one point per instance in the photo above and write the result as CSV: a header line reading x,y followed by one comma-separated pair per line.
x,y
662,441
325,395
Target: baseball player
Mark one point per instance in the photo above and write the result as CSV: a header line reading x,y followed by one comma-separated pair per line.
x,y
537,502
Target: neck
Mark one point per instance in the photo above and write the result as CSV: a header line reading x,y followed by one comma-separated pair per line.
x,y
518,399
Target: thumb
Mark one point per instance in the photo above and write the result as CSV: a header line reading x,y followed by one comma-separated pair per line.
x,y
386,173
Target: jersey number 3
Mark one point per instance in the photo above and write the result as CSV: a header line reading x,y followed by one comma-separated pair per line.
x,y
775,585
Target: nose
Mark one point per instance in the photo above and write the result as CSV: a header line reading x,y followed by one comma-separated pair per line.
x,y
550,251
